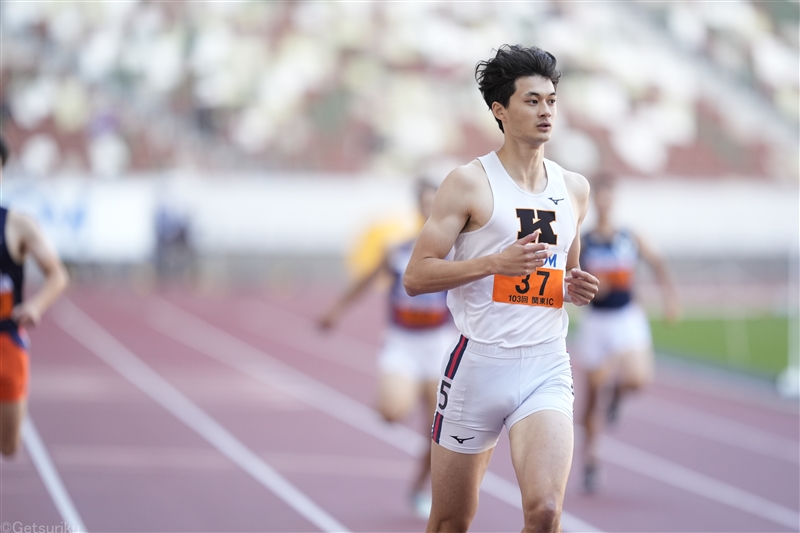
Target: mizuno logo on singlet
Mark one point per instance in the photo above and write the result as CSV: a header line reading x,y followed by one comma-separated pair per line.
x,y
555,200
461,441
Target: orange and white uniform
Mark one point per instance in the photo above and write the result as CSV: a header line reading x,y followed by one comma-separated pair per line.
x,y
511,359
13,340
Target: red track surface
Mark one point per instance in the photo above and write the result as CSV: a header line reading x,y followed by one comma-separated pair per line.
x,y
278,412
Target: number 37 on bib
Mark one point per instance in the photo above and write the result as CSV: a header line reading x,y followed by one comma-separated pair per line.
x,y
541,288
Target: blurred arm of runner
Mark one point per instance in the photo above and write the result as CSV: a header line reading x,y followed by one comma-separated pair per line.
x,y
672,310
335,312
25,237
581,286
459,206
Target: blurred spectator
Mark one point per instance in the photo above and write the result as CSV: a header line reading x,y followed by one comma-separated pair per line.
x,y
664,88
174,254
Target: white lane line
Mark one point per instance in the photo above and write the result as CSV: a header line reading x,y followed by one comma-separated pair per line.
x,y
220,345
706,383
86,331
679,476
260,319
178,458
235,353
716,428
52,481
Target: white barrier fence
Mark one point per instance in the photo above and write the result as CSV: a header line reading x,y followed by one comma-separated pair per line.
x,y
114,221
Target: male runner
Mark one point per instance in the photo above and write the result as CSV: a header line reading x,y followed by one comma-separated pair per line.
x,y
514,218
614,344
420,330
20,237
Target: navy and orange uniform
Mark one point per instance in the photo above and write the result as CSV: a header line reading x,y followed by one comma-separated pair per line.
x,y
424,311
612,261
13,354
614,324
420,328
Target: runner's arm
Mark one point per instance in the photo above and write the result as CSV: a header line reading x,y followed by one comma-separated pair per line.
x,y
665,282
353,293
56,279
581,286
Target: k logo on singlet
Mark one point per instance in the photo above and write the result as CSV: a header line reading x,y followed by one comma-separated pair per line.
x,y
532,219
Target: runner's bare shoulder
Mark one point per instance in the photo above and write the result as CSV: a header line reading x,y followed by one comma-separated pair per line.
x,y
577,184
23,235
468,177
466,190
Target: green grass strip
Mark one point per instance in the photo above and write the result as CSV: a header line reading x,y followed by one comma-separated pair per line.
x,y
757,344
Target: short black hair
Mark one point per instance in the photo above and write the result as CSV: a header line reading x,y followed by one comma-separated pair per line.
x,y
497,77
3,152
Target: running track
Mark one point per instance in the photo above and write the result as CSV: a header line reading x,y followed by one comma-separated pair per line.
x,y
173,411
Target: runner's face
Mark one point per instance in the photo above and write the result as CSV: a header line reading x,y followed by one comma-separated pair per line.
x,y
604,200
531,110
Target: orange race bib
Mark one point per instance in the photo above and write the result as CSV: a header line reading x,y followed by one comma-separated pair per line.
x,y
542,288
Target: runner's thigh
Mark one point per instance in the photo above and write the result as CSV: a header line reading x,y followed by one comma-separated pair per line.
x,y
541,450
455,480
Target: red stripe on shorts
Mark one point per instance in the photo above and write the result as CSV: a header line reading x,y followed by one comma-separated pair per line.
x,y
436,430
455,358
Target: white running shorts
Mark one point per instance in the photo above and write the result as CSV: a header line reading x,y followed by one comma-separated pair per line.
x,y
415,354
485,387
605,333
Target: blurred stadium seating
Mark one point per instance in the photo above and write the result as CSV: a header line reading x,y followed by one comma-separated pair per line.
x,y
649,88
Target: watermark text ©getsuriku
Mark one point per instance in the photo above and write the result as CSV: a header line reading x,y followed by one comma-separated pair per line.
x,y
22,527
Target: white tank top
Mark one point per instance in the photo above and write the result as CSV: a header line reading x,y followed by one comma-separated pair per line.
x,y
511,312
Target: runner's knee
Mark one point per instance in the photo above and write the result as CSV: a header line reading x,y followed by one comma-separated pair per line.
x,y
636,381
635,384
542,514
390,415
9,447
9,431
449,524
394,407
392,411
395,399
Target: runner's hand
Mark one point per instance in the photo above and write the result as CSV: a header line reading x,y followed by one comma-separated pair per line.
x,y
581,286
672,310
523,257
328,321
26,315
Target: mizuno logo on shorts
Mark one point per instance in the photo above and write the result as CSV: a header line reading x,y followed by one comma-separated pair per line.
x,y
461,441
